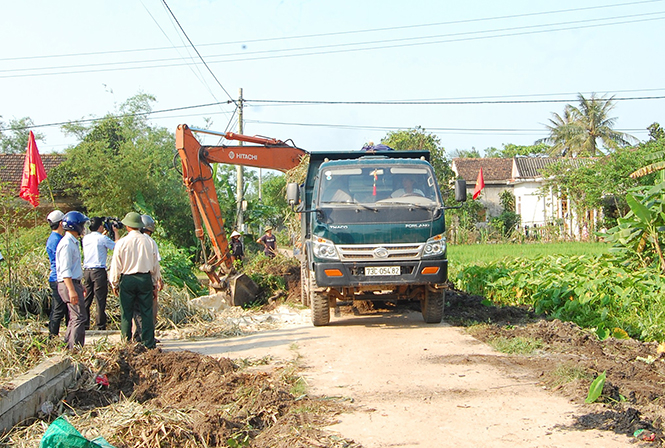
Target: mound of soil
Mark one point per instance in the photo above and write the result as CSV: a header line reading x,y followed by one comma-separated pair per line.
x,y
223,403
633,392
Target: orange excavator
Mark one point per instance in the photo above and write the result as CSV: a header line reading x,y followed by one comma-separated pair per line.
x,y
197,174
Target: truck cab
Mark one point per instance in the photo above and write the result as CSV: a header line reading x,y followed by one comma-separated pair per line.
x,y
373,228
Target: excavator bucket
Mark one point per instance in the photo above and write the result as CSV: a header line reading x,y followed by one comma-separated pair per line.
x,y
243,290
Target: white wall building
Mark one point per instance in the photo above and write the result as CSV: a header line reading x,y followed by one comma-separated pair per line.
x,y
536,207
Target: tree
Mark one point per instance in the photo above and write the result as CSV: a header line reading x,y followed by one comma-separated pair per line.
x,y
602,182
123,164
580,129
510,150
472,153
419,139
656,132
14,136
657,144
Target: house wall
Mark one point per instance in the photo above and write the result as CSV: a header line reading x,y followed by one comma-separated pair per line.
x,y
490,197
537,211
532,208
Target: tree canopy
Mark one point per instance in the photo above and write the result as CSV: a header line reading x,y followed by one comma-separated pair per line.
x,y
581,128
419,139
123,164
14,135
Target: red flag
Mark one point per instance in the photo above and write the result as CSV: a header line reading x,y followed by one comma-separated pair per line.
x,y
33,173
480,184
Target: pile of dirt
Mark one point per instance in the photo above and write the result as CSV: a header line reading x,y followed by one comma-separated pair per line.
x,y
633,392
224,405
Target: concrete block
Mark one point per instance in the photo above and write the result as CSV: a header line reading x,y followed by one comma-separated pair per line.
x,y
26,384
46,382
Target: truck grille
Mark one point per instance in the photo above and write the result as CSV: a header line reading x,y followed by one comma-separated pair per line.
x,y
366,252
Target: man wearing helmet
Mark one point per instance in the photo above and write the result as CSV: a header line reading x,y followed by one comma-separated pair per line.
x,y
134,275
69,274
148,229
58,307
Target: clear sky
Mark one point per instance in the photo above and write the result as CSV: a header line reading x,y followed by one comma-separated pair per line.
x,y
500,68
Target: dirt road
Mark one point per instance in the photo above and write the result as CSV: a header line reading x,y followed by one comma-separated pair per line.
x,y
417,385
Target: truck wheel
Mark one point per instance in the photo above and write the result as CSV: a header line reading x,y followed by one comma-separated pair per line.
x,y
304,284
432,306
320,308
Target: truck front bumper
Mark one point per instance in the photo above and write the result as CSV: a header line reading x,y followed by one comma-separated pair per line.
x,y
421,272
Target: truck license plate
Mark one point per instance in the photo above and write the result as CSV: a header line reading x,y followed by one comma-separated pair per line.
x,y
382,270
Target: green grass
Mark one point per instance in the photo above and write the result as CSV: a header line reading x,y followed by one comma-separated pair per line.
x,y
568,373
484,253
516,346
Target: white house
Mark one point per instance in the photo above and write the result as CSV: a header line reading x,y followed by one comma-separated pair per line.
x,y
525,180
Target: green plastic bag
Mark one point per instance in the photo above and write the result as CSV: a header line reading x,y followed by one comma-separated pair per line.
x,y
61,434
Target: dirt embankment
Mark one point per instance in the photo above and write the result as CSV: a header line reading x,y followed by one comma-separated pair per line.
x,y
381,377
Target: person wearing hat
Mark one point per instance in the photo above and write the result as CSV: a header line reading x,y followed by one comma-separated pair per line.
x,y
70,272
134,275
148,229
59,308
237,251
269,242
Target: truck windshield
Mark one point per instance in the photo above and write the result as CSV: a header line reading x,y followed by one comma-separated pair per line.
x,y
394,185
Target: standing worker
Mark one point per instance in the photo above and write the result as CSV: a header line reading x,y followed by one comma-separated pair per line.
x,y
269,242
59,308
148,229
237,250
95,251
134,275
70,272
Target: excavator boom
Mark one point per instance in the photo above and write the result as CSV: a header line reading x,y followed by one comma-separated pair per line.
x,y
197,174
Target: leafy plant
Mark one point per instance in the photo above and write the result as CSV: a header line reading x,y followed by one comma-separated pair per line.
x,y
636,237
596,388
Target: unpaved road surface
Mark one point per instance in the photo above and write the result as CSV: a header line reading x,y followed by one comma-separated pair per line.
x,y
417,385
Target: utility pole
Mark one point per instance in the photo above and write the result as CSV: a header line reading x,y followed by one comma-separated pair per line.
x,y
239,171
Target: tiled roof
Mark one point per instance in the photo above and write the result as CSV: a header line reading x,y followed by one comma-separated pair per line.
x,y
494,169
531,167
11,167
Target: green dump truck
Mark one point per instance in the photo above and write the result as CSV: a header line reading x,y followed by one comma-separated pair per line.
x,y
372,229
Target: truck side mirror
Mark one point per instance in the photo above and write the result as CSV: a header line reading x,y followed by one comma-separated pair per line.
x,y
292,194
460,190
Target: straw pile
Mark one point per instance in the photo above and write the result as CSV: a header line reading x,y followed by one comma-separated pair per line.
x,y
182,399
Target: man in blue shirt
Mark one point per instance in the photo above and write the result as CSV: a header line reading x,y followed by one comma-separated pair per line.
x,y
69,271
58,307
95,251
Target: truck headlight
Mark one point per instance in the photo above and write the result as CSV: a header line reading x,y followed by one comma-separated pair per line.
x,y
435,246
323,248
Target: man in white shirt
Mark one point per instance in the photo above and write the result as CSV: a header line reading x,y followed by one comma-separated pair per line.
x,y
95,252
407,189
69,274
134,275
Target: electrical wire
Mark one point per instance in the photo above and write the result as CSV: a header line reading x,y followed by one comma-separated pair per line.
x,y
440,103
318,102
378,45
197,52
341,33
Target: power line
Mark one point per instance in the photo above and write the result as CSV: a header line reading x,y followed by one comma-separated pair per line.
x,y
197,51
439,103
93,120
318,102
438,129
340,33
378,45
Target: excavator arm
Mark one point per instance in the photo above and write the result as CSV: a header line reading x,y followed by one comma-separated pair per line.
x,y
197,174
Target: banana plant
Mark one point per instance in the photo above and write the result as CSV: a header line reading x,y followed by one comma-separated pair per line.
x,y
638,233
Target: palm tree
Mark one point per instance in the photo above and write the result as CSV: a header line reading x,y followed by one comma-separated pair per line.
x,y
578,132
563,133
